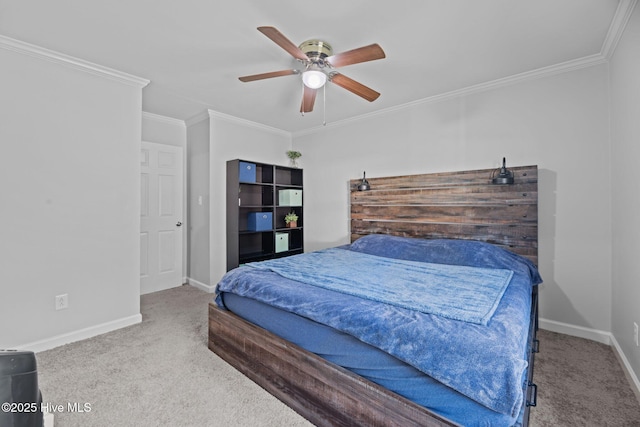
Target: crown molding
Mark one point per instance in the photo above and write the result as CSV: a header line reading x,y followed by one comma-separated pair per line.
x,y
69,61
197,118
248,123
164,119
616,29
212,114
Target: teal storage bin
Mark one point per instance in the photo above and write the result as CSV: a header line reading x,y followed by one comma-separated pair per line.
x,y
282,242
290,197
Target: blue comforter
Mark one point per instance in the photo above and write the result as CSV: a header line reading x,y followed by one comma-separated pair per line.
x,y
469,294
483,362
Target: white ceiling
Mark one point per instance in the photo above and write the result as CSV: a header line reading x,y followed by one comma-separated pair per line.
x,y
193,51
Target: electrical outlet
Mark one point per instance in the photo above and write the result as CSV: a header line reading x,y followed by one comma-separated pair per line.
x,y
62,301
635,333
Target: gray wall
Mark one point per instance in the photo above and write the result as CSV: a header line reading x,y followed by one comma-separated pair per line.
x,y
70,210
625,152
198,197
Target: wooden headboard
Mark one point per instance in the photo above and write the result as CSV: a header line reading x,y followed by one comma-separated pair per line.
x,y
452,205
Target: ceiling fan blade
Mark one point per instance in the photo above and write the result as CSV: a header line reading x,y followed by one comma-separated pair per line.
x,y
355,56
278,38
354,87
308,99
267,75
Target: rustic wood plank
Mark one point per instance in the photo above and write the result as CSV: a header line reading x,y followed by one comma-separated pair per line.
x,y
507,214
505,234
324,393
450,186
520,240
522,174
485,194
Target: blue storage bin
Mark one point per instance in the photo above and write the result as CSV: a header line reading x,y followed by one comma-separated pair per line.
x,y
260,221
247,172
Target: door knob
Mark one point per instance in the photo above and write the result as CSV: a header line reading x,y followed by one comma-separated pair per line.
x,y
178,224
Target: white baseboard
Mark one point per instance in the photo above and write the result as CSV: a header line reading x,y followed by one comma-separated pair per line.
x,y
202,286
81,334
598,336
576,331
626,367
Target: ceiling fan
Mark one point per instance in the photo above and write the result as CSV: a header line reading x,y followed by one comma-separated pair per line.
x,y
319,63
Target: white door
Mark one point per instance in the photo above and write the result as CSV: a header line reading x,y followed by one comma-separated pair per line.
x,y
160,217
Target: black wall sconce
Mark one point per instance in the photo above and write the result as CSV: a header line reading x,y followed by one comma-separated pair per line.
x,y
505,176
364,184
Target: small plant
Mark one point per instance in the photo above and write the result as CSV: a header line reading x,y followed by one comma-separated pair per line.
x,y
290,217
293,156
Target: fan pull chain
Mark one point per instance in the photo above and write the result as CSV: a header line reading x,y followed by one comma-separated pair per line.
x,y
302,109
324,105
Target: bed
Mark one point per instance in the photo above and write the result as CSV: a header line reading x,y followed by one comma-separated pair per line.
x,y
451,363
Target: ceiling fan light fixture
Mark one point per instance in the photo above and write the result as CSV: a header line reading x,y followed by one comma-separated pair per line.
x,y
318,61
314,79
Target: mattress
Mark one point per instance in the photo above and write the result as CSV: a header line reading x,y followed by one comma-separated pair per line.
x,y
357,352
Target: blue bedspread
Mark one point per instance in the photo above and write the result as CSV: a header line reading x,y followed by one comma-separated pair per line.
x,y
483,362
469,294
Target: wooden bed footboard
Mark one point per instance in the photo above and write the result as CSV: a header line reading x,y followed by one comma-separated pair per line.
x,y
322,392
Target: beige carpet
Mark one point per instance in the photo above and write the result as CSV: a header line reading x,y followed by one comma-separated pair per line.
x,y
160,373
581,383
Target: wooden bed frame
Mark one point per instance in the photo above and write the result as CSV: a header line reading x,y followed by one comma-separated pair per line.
x,y
463,205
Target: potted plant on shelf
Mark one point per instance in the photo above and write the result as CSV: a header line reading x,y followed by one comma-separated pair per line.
x,y
291,219
293,156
